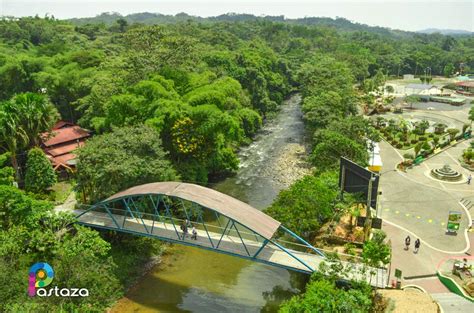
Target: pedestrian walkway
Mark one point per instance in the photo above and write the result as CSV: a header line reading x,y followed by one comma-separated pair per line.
x,y
420,205
452,303
230,243
420,270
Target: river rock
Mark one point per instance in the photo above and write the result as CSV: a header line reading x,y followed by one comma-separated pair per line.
x,y
292,164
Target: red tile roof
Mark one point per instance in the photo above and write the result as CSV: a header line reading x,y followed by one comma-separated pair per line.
x,y
62,124
66,135
63,159
60,150
469,83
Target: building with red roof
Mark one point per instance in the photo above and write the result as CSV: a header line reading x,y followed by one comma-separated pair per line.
x,y
59,145
465,87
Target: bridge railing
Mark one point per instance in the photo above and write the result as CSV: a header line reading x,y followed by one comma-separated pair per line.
x,y
213,227
251,242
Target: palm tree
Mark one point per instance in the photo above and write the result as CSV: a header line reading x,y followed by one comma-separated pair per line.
x,y
423,126
471,114
440,128
11,135
22,121
411,100
379,121
38,115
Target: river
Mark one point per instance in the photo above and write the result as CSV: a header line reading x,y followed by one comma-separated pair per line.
x,y
194,280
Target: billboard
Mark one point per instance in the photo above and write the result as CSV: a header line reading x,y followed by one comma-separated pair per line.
x,y
376,222
454,221
354,178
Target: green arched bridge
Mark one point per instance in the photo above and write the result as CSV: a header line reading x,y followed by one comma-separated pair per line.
x,y
223,224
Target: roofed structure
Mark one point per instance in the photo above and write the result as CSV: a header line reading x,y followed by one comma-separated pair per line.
x,y
465,87
60,144
226,205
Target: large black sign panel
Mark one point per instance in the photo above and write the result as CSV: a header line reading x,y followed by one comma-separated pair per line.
x,y
355,179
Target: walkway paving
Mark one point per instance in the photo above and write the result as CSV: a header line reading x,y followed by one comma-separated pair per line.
x,y
421,205
414,204
230,243
452,303
68,205
420,270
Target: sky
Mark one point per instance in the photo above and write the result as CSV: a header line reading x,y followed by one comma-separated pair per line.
x,y
411,15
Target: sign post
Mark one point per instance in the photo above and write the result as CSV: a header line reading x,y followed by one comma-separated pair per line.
x,y
398,275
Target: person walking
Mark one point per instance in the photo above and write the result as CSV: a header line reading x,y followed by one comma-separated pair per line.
x,y
184,228
469,178
407,243
194,233
417,245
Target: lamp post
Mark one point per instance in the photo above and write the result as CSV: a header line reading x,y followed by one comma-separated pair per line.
x,y
368,213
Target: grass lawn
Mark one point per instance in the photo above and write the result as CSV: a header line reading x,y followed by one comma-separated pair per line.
x,y
61,191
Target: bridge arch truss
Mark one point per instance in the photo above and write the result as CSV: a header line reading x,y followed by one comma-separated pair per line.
x,y
223,224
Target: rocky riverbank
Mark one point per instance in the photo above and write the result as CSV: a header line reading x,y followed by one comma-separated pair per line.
x,y
292,164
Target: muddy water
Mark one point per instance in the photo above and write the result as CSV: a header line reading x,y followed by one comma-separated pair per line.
x,y
194,280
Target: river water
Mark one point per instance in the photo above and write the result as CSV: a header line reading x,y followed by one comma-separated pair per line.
x,y
194,280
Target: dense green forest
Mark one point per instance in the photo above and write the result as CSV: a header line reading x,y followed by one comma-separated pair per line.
x,y
174,98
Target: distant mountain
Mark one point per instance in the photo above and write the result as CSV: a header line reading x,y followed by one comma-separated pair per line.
x,y
157,18
445,31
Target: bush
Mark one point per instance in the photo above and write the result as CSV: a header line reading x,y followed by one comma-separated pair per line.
x,y
431,135
389,138
394,142
39,173
409,156
323,295
413,141
422,138
399,145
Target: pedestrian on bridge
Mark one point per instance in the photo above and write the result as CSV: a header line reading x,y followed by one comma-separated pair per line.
x,y
407,243
417,245
184,228
194,233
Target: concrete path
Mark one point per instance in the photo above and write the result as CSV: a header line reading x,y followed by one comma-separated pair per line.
x,y
452,303
68,205
414,204
420,270
420,204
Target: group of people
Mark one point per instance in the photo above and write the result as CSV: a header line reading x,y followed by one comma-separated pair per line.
x,y
184,228
408,241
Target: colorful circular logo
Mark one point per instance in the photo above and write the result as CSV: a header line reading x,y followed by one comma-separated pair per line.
x,y
40,275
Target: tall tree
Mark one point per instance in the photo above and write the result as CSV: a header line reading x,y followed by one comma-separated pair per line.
x,y
22,121
123,158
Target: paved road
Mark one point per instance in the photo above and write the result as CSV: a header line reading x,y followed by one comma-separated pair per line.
x,y
414,204
452,303
420,204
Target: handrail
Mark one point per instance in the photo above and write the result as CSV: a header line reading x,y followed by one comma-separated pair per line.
x,y
164,218
161,218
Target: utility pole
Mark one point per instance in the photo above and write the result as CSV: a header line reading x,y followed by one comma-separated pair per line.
x,y
368,213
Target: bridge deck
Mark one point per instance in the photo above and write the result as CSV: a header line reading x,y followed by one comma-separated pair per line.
x,y
270,254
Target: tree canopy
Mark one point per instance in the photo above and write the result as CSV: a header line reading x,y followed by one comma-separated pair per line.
x,y
126,157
